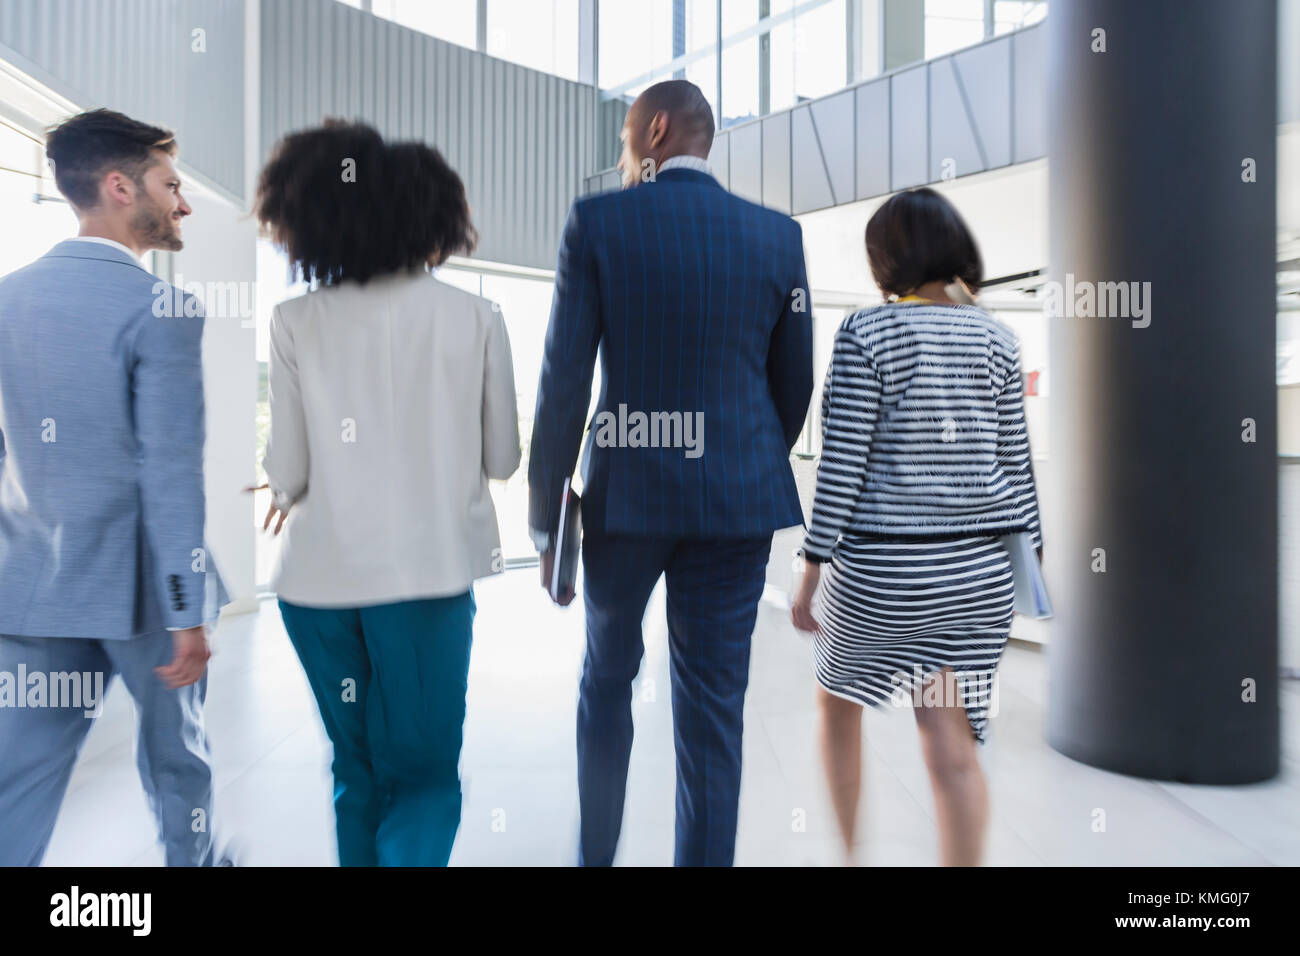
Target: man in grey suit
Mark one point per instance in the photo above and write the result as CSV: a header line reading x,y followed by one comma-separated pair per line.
x,y
103,568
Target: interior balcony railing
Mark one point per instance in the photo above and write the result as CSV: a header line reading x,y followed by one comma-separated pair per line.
x,y
980,108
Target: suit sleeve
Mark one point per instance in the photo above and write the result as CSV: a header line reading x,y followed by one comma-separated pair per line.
x,y
564,388
287,456
789,358
1013,448
500,407
167,403
850,407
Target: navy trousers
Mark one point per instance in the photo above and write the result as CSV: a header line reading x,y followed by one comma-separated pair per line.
x,y
713,590
390,682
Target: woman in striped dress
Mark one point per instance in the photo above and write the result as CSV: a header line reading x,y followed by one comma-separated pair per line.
x,y
925,464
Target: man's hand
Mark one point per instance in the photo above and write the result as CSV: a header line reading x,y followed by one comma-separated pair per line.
x,y
190,660
546,561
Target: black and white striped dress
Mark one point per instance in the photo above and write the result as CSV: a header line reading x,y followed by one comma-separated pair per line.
x,y
925,464
893,614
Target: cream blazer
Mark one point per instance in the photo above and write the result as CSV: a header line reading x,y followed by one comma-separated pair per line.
x,y
392,404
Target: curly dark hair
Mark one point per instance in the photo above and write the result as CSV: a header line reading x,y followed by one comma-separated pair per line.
x,y
86,147
395,207
918,236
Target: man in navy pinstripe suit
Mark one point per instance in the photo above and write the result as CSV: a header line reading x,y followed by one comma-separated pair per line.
x,y
697,303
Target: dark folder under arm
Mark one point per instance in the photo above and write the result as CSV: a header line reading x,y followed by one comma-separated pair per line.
x,y
568,543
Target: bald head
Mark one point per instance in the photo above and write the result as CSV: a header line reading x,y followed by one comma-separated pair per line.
x,y
669,119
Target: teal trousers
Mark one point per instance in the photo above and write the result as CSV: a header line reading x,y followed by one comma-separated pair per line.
x,y
390,682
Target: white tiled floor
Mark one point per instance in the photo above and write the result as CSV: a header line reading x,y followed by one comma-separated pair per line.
x,y
273,793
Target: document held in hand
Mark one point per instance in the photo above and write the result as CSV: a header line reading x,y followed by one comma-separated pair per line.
x,y
568,543
1031,590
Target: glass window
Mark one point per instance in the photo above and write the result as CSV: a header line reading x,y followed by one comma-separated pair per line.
x,y
740,79
31,228
701,25
951,25
541,34
635,38
820,51
1009,15
781,69
809,53
455,21
740,89
702,34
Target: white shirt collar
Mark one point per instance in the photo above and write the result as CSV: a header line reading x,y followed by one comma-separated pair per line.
x,y
106,242
687,162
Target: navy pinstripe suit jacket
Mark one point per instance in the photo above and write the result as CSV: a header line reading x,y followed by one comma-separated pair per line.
x,y
697,303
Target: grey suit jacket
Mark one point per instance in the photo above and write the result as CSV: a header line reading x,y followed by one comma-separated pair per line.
x,y
101,451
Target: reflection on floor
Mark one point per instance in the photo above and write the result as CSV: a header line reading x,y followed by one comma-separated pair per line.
x,y
273,795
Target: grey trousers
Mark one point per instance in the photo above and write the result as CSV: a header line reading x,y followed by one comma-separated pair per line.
x,y
39,744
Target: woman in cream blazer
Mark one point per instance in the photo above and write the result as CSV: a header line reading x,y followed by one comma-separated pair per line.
x,y
392,404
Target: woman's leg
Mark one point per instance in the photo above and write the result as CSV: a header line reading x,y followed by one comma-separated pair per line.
x,y
419,655
841,743
333,655
961,796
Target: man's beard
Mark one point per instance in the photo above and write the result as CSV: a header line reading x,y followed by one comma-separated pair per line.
x,y
156,228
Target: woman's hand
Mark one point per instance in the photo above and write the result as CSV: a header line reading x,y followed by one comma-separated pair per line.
x,y
801,605
272,511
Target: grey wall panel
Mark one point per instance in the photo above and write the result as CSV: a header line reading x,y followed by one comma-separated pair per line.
x,y
522,140
873,143
908,129
137,57
1029,85
747,161
834,120
276,74
954,149
612,113
776,161
810,186
984,73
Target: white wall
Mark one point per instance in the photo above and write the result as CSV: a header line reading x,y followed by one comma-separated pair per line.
x,y
221,247
1006,209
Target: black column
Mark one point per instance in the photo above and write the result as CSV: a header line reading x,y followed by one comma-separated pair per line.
x,y
1154,660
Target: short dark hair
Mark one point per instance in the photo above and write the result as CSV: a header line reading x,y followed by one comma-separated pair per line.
x,y
917,237
686,105
403,208
89,145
